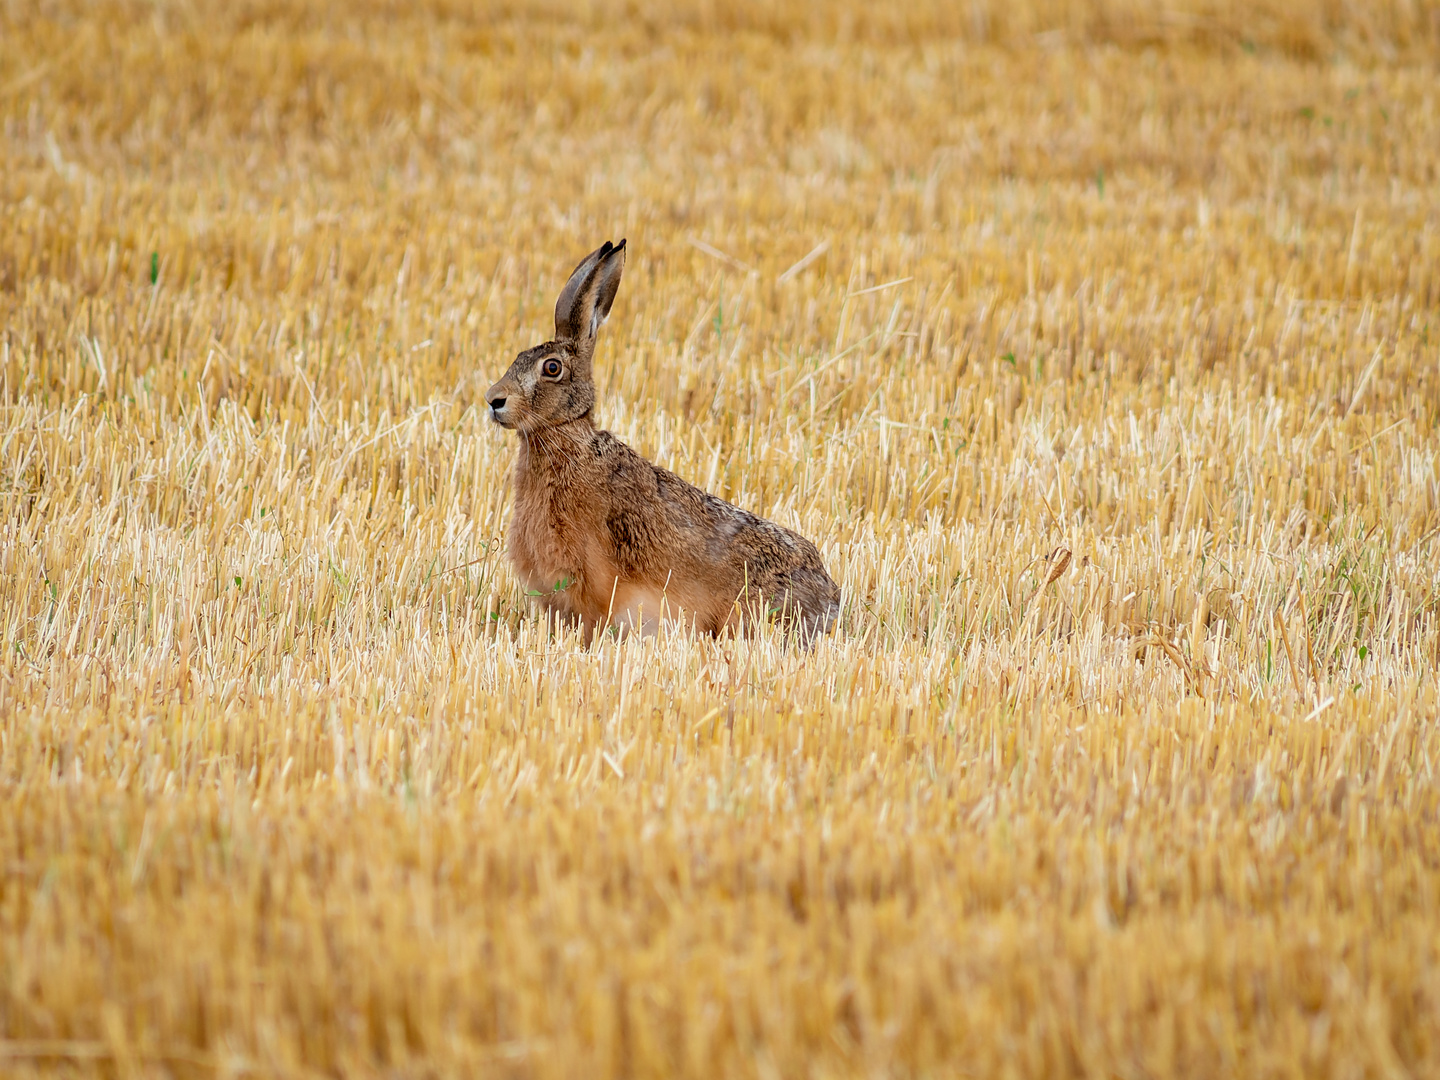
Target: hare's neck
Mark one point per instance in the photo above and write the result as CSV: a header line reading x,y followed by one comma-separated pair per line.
x,y
553,450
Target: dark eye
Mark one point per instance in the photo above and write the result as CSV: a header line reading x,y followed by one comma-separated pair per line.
x,y
551,368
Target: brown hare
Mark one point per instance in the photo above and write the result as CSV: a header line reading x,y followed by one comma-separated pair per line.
x,y
606,538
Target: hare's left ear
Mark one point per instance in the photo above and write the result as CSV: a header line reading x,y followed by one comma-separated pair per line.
x,y
586,299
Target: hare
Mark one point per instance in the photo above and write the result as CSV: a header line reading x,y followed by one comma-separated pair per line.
x,y
605,537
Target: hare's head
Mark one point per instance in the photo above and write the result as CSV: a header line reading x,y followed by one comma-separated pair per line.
x,y
551,384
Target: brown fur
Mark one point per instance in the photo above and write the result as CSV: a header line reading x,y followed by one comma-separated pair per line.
x,y
608,538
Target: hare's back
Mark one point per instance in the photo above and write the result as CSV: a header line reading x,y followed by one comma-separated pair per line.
x,y
760,555
702,546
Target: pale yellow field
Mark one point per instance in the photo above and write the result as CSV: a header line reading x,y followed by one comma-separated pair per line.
x,y
1096,345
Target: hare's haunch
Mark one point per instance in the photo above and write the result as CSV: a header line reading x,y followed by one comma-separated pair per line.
x,y
607,538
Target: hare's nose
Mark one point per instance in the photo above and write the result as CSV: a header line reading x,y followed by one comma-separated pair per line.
x,y
498,403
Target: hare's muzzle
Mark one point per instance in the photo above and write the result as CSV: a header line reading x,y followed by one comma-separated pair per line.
x,y
496,399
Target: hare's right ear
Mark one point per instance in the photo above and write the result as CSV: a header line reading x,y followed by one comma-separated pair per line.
x,y
586,299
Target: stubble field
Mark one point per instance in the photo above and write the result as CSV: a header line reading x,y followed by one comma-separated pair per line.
x,y
1095,345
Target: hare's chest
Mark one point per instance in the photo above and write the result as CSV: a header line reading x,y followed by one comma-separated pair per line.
x,y
555,536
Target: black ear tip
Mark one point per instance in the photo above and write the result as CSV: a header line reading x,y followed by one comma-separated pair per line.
x,y
619,247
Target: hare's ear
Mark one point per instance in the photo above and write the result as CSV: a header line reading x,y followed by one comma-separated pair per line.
x,y
586,299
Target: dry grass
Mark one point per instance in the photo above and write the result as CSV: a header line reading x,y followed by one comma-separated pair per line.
x,y
1111,399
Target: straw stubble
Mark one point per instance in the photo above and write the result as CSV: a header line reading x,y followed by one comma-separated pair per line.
x,y
1095,349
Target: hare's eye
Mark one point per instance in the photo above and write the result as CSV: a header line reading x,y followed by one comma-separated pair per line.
x,y
551,368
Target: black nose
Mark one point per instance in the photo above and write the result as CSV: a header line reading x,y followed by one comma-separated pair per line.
x,y
497,403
